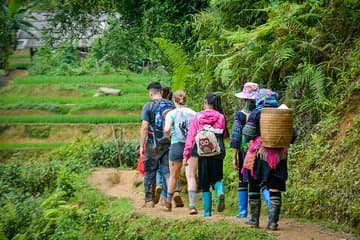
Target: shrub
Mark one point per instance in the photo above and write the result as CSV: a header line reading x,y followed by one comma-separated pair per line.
x,y
128,154
105,155
59,61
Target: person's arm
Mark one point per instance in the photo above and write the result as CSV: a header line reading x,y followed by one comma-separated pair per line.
x,y
235,140
252,127
167,127
143,134
144,128
239,122
190,139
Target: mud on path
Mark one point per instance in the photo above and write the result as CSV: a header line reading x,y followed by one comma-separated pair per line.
x,y
128,184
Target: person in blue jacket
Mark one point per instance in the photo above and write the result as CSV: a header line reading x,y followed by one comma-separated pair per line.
x,y
237,142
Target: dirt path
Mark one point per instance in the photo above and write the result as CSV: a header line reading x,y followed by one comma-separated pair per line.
x,y
122,184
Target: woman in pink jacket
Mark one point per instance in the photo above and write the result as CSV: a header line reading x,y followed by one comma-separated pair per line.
x,y
210,170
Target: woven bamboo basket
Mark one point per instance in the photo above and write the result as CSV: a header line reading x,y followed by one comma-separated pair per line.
x,y
276,127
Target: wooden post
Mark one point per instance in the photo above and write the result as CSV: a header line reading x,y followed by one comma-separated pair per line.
x,y
118,148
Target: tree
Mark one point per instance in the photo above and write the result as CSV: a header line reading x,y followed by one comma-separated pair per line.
x,y
12,18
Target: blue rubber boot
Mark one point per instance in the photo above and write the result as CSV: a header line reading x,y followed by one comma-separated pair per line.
x,y
219,188
266,196
243,204
207,201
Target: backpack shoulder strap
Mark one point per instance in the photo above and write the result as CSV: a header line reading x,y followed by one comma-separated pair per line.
x,y
155,103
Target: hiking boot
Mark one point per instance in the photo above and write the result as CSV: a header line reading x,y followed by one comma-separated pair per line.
x,y
167,206
219,188
255,206
274,211
273,226
221,203
178,201
157,194
193,211
162,201
149,204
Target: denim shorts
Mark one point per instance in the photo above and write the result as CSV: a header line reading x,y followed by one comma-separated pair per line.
x,y
176,152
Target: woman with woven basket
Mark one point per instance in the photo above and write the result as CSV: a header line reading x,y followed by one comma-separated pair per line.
x,y
264,166
237,143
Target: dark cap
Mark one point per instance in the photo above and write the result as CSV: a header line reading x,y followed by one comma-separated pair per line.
x,y
154,85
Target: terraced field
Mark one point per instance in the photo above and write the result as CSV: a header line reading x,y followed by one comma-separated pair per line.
x,y
44,112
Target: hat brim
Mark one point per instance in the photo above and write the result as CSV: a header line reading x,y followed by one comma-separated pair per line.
x,y
243,95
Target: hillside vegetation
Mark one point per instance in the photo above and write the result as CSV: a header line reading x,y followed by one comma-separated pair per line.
x,y
307,50
310,53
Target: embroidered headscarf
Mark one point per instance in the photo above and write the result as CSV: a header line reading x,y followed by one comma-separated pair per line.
x,y
266,98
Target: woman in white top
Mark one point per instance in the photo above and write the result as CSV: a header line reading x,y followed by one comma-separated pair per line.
x,y
177,122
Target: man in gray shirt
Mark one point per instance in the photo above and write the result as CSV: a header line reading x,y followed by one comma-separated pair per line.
x,y
153,143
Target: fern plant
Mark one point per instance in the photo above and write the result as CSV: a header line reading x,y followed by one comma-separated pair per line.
x,y
308,88
178,60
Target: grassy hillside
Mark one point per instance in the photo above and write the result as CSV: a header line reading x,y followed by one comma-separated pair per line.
x,y
52,200
42,112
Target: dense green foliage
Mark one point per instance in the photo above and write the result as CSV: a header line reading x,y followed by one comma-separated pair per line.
x,y
308,51
178,62
51,200
12,18
127,44
303,52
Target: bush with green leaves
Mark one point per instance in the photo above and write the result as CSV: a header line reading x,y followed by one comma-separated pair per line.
x,y
105,155
71,209
121,47
294,49
57,61
128,154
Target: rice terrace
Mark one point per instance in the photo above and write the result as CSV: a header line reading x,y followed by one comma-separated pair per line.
x,y
73,83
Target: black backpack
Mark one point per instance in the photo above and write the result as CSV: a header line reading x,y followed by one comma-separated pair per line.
x,y
159,109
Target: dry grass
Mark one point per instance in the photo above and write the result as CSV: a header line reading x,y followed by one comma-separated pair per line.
x,y
66,133
114,178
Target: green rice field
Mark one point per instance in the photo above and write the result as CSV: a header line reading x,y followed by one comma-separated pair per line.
x,y
29,146
70,119
51,103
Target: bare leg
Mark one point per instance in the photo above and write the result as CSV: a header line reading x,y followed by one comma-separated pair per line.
x,y
175,169
190,171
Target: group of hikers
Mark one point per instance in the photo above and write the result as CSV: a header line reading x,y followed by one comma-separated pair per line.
x,y
173,135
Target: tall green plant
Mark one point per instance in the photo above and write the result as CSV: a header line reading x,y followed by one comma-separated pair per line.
x,y
181,70
307,89
12,18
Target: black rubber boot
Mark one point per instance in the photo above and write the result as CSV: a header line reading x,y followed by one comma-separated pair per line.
x,y
274,211
255,206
